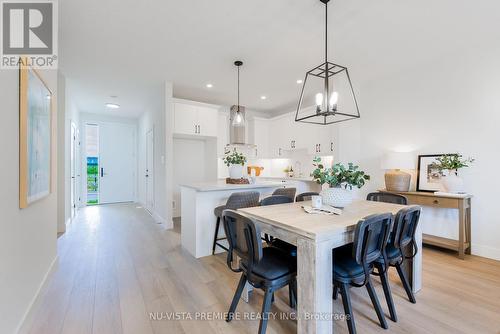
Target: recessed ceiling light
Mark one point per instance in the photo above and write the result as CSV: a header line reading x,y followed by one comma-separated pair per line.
x,y
112,105
263,97
299,81
209,85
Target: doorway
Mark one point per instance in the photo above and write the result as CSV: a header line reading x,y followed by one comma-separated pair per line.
x,y
111,163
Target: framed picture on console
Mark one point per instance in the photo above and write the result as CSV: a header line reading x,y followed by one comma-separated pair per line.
x,y
428,175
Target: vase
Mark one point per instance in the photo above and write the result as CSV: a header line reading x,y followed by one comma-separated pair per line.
x,y
452,183
235,171
338,197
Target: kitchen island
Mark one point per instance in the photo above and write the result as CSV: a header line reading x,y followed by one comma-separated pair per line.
x,y
198,201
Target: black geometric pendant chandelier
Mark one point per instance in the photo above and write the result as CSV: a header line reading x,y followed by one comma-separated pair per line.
x,y
327,95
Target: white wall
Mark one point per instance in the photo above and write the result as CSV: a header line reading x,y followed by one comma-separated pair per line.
x,y
159,116
194,160
445,106
28,236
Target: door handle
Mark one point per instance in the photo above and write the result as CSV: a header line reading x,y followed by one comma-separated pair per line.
x,y
331,146
102,172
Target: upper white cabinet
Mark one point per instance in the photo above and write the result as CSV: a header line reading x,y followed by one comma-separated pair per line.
x,y
197,120
259,134
285,135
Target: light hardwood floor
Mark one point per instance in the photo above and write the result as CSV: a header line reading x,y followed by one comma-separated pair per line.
x,y
116,265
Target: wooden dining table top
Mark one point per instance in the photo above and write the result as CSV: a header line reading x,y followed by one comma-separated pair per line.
x,y
292,217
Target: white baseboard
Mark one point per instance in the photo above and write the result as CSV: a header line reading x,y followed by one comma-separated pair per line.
x,y
27,320
166,225
486,251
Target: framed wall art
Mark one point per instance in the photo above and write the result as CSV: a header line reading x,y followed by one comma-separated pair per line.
x,y
35,137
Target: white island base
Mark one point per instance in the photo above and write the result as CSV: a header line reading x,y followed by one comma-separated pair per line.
x,y
198,202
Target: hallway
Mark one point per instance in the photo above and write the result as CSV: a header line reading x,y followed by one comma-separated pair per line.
x,y
116,265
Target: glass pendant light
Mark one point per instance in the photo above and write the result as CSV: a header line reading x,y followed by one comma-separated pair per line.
x,y
238,118
327,95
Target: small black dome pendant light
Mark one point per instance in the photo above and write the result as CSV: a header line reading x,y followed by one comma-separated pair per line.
x,y
324,98
239,117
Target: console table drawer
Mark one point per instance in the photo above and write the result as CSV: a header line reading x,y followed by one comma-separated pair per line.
x,y
433,201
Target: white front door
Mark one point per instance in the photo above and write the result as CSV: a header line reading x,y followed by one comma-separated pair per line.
x,y
149,172
117,163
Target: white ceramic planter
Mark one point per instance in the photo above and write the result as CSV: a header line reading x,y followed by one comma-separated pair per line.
x,y
236,171
452,183
337,197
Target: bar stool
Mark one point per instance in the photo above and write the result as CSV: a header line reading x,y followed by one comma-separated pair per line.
x,y
288,192
236,201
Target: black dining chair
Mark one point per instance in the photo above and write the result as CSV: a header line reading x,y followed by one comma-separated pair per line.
x,y
305,196
354,263
236,201
275,199
283,245
401,238
280,244
268,268
387,198
289,192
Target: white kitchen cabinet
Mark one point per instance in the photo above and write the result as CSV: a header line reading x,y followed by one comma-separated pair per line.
x,y
196,120
185,119
260,137
207,121
280,136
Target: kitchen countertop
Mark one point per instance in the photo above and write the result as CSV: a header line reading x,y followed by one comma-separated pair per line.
x,y
220,185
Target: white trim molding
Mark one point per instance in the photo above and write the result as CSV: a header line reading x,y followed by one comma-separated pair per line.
x,y
27,320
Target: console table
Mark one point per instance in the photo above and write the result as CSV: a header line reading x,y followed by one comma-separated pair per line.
x,y
462,204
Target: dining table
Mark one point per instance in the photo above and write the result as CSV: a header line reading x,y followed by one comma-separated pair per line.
x,y
315,235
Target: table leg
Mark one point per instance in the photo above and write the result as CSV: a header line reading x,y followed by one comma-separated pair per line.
x,y
416,263
461,230
468,229
314,278
245,295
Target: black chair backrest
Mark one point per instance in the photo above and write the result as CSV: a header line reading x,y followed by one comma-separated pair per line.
x,y
387,198
305,196
405,225
245,199
370,238
243,237
290,192
276,199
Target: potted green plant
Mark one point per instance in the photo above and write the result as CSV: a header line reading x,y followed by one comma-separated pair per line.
x,y
235,161
448,165
341,180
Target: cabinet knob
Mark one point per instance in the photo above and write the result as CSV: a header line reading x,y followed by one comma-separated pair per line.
x,y
436,201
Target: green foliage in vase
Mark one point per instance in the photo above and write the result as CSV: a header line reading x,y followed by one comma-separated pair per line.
x,y
234,158
339,175
452,162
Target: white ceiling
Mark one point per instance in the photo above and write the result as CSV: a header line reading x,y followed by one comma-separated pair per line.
x,y
129,47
